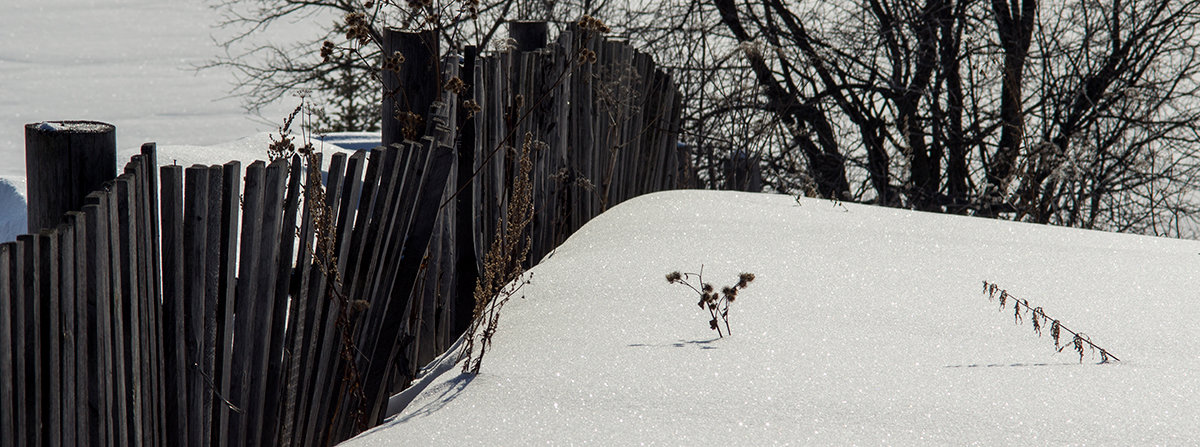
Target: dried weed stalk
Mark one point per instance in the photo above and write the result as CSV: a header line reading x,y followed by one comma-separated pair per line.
x,y
503,267
717,303
1079,341
323,250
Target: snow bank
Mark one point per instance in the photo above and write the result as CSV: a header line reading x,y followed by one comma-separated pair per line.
x,y
13,217
865,326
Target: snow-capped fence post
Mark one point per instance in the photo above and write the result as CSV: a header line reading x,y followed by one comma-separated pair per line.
x,y
64,161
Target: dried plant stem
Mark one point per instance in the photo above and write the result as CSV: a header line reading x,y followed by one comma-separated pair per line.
x,y
716,303
1039,319
503,267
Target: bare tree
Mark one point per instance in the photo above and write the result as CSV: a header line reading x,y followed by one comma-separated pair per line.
x,y
1080,114
338,67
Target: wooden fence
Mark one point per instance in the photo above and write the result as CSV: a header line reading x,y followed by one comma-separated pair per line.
x,y
191,306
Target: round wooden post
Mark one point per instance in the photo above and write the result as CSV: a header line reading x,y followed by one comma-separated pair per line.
x,y
530,35
64,161
411,87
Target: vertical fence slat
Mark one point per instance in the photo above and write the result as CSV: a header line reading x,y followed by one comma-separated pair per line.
x,y
309,339
299,318
67,339
130,310
48,268
212,280
247,290
150,232
230,194
283,282
113,304
28,339
130,188
317,426
195,251
8,412
260,332
98,366
83,403
174,348
383,349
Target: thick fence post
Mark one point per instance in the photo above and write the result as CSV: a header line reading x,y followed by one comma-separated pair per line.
x,y
411,87
64,162
529,35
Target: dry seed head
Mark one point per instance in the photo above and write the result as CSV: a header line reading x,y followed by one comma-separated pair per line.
x,y
357,28
472,107
745,279
327,51
592,24
392,62
455,85
674,276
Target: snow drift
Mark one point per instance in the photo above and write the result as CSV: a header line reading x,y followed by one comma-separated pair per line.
x,y
865,325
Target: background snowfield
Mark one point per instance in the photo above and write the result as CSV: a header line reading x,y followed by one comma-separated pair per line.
x,y
130,63
864,326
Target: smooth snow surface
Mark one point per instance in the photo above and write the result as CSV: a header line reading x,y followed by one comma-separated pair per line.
x,y
865,326
130,63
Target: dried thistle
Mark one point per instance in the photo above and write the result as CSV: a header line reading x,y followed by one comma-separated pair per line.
x,y
327,49
455,85
717,304
472,107
393,61
588,23
357,27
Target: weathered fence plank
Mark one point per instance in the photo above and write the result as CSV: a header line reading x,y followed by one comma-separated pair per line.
x,y
66,318
195,249
174,299
77,220
265,276
299,310
283,280
114,349
30,341
99,359
318,428
130,309
48,274
383,349
212,298
8,411
230,195
247,289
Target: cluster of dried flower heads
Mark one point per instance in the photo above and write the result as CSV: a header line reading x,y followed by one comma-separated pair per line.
x,y
1079,341
716,303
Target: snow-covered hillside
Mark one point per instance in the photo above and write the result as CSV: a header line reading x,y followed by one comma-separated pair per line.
x,y
865,326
